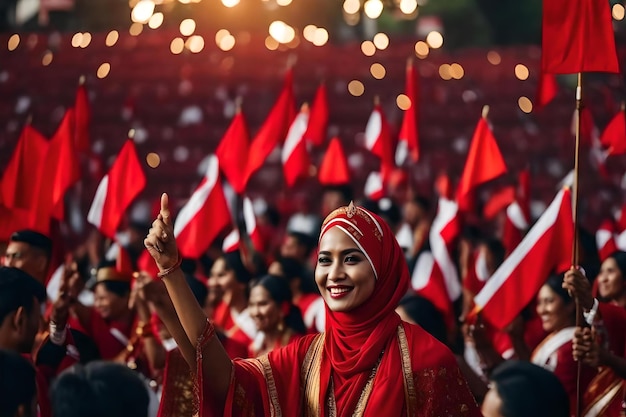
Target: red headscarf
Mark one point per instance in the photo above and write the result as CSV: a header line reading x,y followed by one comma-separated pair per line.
x,y
355,339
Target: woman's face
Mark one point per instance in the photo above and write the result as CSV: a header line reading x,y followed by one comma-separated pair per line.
x,y
343,274
263,309
610,280
109,305
551,308
223,277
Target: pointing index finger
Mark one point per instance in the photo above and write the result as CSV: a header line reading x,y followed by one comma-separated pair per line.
x,y
165,210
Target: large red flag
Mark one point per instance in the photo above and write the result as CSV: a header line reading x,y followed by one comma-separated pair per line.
x,y
273,130
117,190
21,179
545,249
294,155
614,135
408,138
82,117
578,37
378,140
484,163
334,168
61,170
318,119
232,152
204,216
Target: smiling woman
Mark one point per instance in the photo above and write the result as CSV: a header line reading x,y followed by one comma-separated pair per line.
x,y
367,362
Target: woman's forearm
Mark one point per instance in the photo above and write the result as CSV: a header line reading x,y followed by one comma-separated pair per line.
x,y
215,360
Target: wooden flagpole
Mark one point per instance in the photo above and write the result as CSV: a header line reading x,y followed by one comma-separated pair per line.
x,y
575,249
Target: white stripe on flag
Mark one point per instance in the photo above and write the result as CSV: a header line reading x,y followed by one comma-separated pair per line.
x,y
373,129
295,135
545,222
516,215
248,216
97,206
422,271
446,213
199,197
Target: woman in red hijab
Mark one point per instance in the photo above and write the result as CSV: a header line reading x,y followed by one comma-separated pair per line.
x,y
367,363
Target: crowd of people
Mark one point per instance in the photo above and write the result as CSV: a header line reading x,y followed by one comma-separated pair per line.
x,y
323,322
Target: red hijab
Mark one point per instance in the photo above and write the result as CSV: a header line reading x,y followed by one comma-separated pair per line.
x,y
355,339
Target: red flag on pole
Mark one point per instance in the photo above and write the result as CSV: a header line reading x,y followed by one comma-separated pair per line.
x,y
232,152
578,37
204,216
545,249
484,163
273,130
605,239
408,139
334,168
318,119
117,190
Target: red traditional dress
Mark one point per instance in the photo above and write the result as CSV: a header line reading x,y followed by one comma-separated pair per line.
x,y
367,363
606,392
236,326
555,354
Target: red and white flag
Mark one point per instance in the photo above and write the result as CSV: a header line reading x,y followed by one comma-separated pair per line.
x,y
428,281
318,120
252,229
232,152
374,187
545,249
605,239
408,138
204,216
294,155
444,231
515,224
378,140
117,190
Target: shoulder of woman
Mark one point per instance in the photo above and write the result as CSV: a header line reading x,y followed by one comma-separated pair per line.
x,y
425,350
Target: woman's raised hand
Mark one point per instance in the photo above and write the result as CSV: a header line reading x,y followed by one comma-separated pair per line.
x,y
160,241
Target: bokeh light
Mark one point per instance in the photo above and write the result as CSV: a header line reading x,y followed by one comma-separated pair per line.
x,y
195,43
230,3
378,71
356,88
112,38
103,70
321,37
434,39
85,40
381,41
187,27
227,43
155,21
403,101
351,6
421,49
456,71
618,11
373,8
521,72
368,48
444,72
494,58
77,39
525,104
14,42
408,6
153,160
177,46
142,12
136,29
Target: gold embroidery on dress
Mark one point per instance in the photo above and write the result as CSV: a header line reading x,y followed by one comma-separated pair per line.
x,y
409,384
310,377
275,410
